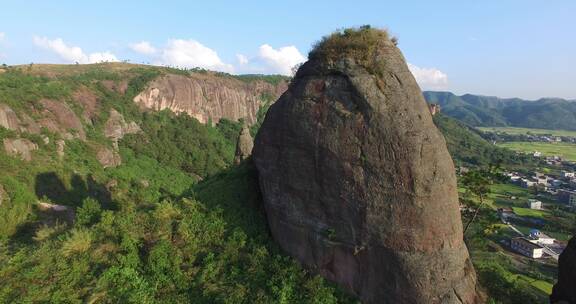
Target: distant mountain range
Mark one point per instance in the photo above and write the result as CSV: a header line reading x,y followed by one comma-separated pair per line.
x,y
488,111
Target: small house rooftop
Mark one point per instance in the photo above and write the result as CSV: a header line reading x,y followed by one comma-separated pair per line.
x,y
527,243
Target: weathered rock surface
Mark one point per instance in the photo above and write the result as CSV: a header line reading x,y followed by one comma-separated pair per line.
x,y
3,195
358,184
116,127
60,146
89,102
206,97
116,86
8,118
565,290
59,118
244,145
20,147
108,158
51,213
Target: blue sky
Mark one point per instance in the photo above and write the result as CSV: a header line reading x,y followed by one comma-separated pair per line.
x,y
507,48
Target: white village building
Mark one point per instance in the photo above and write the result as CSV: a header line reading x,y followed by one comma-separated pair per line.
x,y
527,248
534,204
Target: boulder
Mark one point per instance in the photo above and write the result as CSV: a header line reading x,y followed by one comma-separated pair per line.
x,y
108,158
8,118
111,185
60,146
564,291
20,147
356,180
58,117
244,145
89,102
116,86
51,214
116,127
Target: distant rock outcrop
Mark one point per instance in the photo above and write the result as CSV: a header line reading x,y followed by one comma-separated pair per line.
x,y
434,108
89,102
357,182
108,158
564,291
8,118
21,147
11,121
244,145
207,97
116,127
59,118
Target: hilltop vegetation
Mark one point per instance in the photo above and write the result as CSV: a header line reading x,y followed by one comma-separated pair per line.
x,y
485,111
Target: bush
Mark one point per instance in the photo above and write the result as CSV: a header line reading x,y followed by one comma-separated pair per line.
x,y
79,241
358,43
89,213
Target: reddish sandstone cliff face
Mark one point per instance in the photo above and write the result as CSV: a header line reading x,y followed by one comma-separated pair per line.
x,y
205,96
208,97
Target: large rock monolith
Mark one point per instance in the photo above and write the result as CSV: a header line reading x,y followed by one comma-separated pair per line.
x,y
357,182
244,145
565,289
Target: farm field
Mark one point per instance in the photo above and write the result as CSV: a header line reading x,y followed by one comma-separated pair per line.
x,y
565,150
529,212
510,130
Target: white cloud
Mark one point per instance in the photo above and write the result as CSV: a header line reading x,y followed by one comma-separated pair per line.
x,y
72,53
269,60
143,47
280,60
242,60
429,78
2,36
191,54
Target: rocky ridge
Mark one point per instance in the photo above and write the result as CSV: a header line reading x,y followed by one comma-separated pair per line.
x,y
244,145
208,98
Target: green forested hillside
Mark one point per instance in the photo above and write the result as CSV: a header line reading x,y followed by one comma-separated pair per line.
x,y
174,223
485,111
467,146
